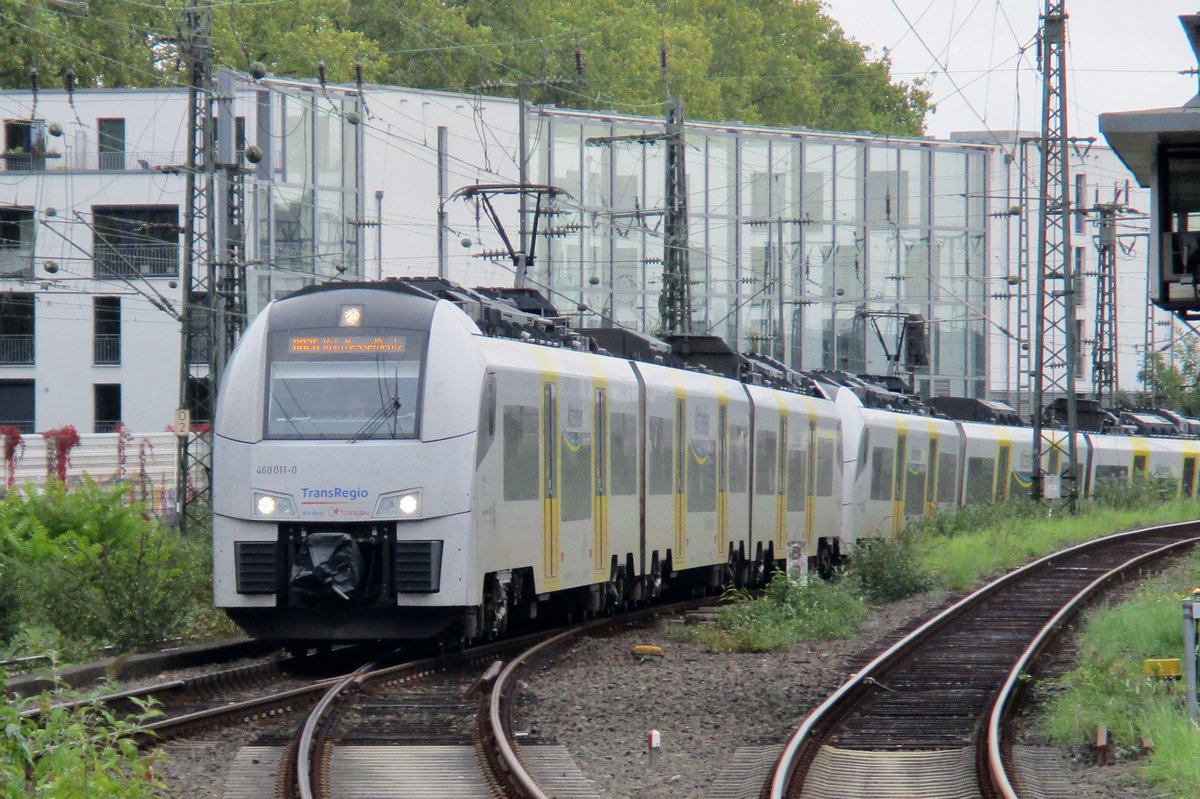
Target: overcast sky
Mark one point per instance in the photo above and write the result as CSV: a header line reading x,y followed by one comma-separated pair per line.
x,y
1121,55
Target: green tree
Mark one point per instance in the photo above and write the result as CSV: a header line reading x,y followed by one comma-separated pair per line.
x,y
1175,385
771,62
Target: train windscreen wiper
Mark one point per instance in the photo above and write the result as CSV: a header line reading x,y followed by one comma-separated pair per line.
x,y
388,412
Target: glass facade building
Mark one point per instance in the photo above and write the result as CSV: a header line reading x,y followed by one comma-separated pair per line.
x,y
306,190
809,247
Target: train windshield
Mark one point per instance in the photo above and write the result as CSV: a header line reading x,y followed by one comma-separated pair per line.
x,y
335,386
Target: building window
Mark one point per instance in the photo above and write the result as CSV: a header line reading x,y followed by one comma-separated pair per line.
x,y
16,242
16,329
24,144
136,240
107,330
107,404
1080,201
112,143
16,404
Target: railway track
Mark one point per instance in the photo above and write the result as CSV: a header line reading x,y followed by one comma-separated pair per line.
x,y
431,727
928,717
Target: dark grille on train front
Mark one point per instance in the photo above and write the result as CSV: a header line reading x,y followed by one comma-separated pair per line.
x,y
417,567
255,564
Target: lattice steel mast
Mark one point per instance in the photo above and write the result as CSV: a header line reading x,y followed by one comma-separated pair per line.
x,y
1056,347
1104,350
675,302
199,322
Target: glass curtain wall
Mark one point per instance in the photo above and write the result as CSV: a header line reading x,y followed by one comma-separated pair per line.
x,y
811,248
307,204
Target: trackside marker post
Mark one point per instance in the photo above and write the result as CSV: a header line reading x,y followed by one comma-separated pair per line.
x,y
653,746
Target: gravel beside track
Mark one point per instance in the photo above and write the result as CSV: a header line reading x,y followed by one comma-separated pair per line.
x,y
598,702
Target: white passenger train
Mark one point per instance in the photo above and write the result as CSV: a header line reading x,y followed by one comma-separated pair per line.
x,y
414,460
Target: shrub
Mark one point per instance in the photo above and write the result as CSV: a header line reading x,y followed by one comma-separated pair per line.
x,y
887,570
96,570
789,611
1141,491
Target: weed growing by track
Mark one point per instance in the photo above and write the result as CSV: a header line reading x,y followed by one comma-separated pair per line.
x,y
1108,686
788,611
71,752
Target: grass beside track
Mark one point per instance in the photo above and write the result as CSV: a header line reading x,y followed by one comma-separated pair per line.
x,y
965,548
1107,685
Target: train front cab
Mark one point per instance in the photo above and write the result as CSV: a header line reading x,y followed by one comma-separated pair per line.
x,y
1121,460
907,466
335,522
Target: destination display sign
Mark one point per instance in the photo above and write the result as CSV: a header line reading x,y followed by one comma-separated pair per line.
x,y
348,345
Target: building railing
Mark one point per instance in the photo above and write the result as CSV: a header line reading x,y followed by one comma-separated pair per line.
x,y
24,426
16,350
106,426
29,162
170,162
16,261
137,260
107,349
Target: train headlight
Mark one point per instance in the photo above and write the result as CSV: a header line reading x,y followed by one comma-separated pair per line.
x,y
405,504
273,506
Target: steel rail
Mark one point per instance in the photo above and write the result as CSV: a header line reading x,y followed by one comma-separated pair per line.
x,y
1006,700
800,740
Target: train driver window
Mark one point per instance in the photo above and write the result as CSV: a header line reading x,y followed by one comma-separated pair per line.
x,y
343,387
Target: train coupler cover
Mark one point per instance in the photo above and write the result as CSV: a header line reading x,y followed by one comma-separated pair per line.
x,y
328,566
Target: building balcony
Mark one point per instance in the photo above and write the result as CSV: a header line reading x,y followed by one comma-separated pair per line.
x,y
16,350
29,162
106,348
137,260
170,163
16,262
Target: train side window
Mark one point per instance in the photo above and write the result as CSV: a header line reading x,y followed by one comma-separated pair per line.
x,y
825,467
914,489
883,462
1139,465
947,487
661,469
623,471
487,419
520,428
766,451
702,476
796,485
981,477
575,488
1112,474
739,459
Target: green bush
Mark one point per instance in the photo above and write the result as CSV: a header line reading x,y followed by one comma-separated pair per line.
x,y
788,611
72,753
96,570
1140,491
886,570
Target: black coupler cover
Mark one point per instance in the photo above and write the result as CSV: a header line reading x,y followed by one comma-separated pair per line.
x,y
327,569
